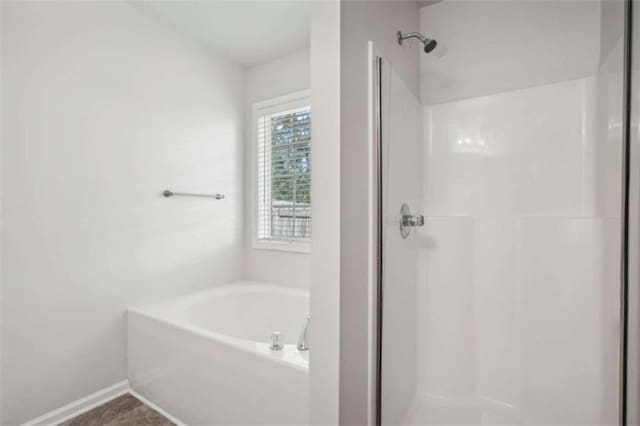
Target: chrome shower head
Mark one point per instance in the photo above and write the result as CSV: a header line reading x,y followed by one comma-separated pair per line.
x,y
428,43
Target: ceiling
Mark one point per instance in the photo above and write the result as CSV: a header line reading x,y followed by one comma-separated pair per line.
x,y
249,32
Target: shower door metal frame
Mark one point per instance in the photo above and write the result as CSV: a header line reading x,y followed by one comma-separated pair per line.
x,y
626,403
378,220
375,220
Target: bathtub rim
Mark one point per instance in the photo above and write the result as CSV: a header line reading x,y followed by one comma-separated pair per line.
x,y
171,313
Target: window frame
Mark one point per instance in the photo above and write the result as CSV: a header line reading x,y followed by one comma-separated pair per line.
x,y
281,103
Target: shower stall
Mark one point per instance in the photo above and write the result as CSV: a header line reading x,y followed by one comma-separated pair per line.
x,y
502,217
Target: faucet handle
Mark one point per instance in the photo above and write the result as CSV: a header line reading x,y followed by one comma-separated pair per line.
x,y
277,341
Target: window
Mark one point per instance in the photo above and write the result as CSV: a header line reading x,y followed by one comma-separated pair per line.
x,y
283,173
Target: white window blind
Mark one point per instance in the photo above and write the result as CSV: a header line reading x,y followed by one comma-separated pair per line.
x,y
283,142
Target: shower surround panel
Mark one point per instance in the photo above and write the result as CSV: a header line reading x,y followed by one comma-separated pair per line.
x,y
521,268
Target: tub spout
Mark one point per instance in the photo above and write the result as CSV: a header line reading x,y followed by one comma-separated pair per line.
x,y
303,344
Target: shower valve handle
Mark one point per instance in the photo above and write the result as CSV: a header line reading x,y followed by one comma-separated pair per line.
x,y
408,220
413,220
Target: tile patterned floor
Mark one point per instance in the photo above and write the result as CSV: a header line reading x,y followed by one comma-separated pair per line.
x,y
125,410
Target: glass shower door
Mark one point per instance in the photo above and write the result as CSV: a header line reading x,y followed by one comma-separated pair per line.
x,y
402,177
503,306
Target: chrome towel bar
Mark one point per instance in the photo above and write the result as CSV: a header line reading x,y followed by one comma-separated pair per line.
x,y
167,193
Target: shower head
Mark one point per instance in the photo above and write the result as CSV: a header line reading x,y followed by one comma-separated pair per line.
x,y
428,43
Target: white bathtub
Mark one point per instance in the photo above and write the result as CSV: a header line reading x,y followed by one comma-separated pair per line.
x,y
205,357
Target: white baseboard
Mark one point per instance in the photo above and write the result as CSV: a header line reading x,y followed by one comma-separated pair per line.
x,y
92,401
80,406
155,407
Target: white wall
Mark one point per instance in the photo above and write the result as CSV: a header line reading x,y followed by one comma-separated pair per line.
x,y
362,21
266,81
103,108
324,337
1,219
474,58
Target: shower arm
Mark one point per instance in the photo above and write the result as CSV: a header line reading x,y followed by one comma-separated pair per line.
x,y
406,36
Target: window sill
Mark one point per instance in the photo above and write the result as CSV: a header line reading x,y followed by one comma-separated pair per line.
x,y
294,247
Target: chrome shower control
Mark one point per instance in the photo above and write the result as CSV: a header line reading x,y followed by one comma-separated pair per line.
x,y
415,220
407,220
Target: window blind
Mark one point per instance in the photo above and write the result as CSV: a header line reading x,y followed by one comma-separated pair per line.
x,y
284,175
